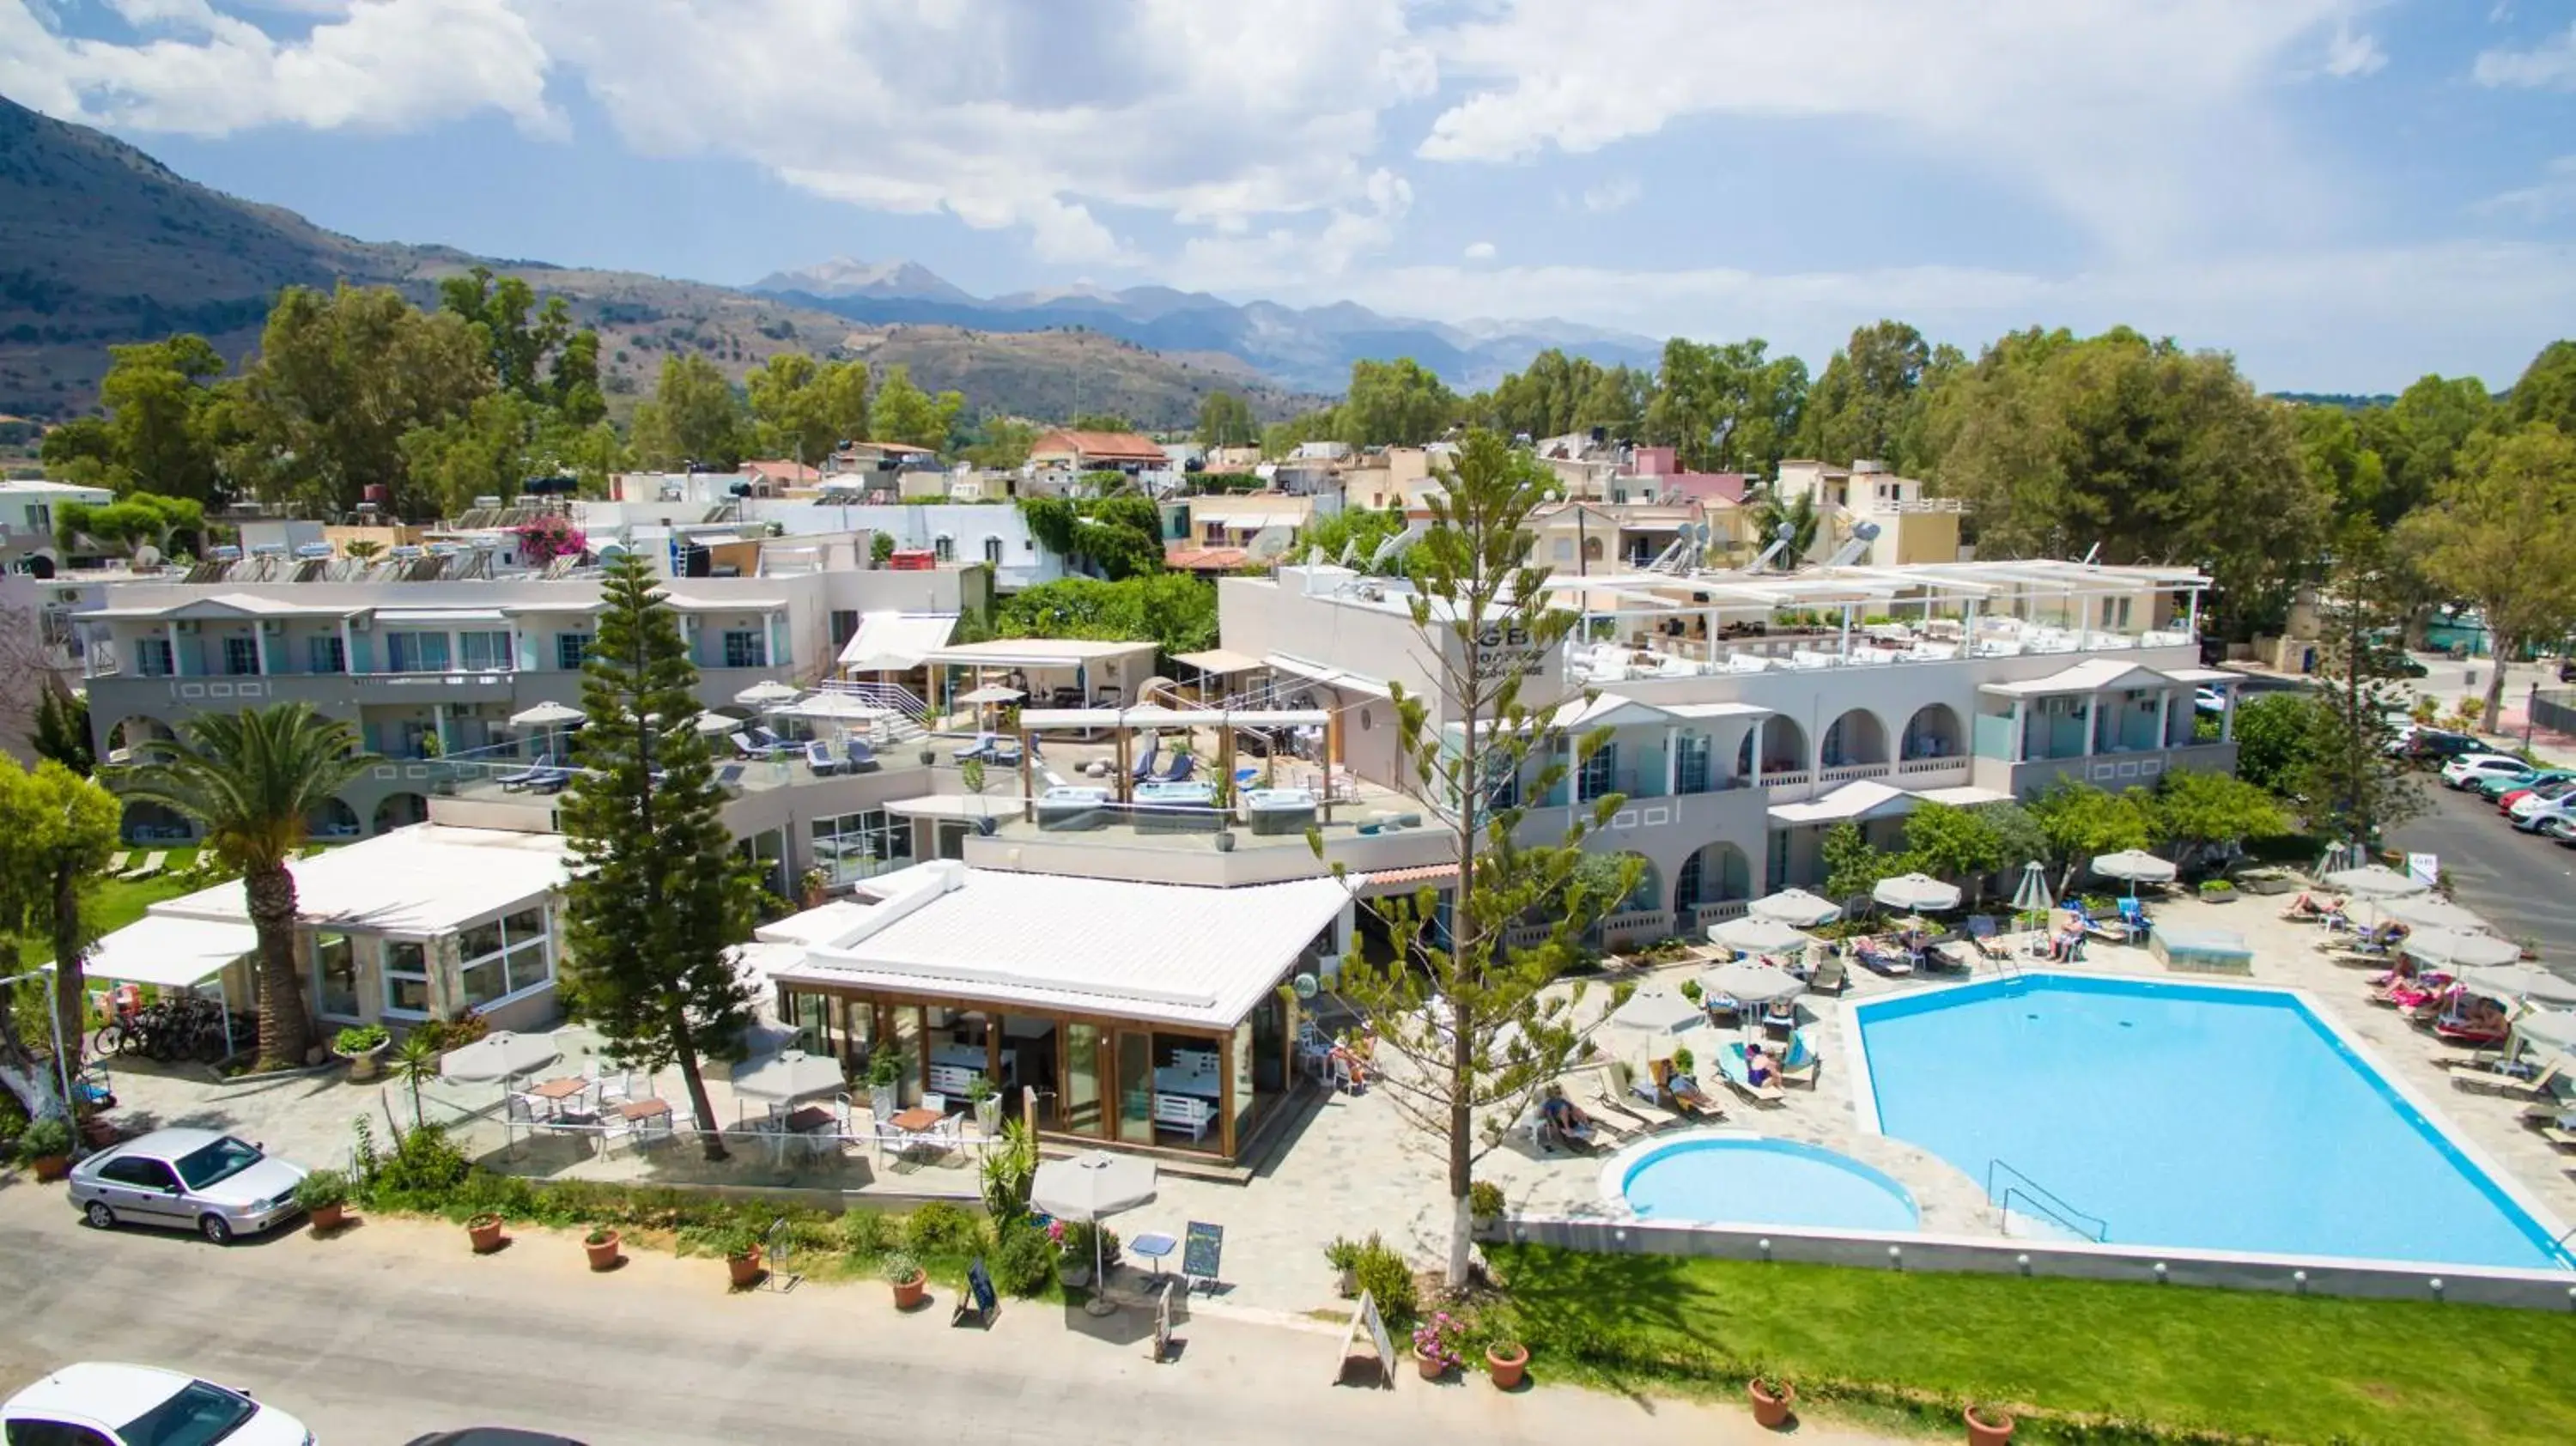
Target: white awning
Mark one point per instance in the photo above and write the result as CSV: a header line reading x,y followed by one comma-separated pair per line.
x,y
1329,677
2094,675
2202,675
1151,716
1861,799
1218,660
896,642
171,953
440,617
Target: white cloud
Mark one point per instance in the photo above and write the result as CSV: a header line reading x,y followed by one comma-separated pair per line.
x,y
2352,54
1615,194
2550,65
376,64
2552,195
1480,251
2145,120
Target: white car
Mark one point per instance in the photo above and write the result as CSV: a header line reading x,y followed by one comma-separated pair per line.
x,y
2535,813
2466,770
101,1403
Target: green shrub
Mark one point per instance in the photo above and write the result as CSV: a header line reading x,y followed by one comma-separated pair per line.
x,y
1387,1277
321,1190
360,1038
1076,1241
45,1139
868,1233
1342,1253
1023,1259
1485,1198
899,1266
728,1239
422,1170
940,1228
1009,1169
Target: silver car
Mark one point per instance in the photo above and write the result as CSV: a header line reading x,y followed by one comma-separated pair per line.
x,y
199,1180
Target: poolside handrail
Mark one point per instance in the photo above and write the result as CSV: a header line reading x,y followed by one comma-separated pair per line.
x,y
2049,1202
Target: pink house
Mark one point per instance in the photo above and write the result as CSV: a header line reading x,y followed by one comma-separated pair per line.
x,y
1659,464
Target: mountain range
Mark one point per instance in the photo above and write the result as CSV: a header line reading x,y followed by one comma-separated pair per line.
x,y
1309,348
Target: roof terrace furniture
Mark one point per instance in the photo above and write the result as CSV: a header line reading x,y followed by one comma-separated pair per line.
x,y
857,756
820,758
1183,807
1279,810
1072,808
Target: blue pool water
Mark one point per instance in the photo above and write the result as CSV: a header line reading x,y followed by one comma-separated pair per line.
x,y
1738,1179
2186,1115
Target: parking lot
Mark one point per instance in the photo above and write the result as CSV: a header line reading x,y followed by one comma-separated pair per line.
x,y
2524,883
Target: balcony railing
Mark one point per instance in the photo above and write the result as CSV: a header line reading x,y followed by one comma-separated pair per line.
x,y
1846,772
1930,765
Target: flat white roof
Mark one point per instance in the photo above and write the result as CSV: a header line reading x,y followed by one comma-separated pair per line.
x,y
427,879
246,604
440,617
170,952
1152,716
2089,676
896,642
1866,797
1218,660
1330,677
1156,952
1036,652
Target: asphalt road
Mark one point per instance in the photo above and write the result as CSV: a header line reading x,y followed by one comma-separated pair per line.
x,y
2525,884
392,1330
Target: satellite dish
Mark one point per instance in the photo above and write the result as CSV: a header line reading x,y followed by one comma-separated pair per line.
x,y
1305,986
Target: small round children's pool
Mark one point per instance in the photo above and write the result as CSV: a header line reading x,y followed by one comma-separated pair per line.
x,y
1749,1180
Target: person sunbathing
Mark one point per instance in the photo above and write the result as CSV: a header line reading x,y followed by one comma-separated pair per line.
x,y
1567,1117
2305,907
1687,1094
1758,1068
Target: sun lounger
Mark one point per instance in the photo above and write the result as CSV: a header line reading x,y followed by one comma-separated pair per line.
x,y
116,861
729,777
1730,1063
513,782
2487,1081
550,780
1144,769
857,756
1801,1064
1179,770
1880,959
820,758
980,747
1694,1101
150,868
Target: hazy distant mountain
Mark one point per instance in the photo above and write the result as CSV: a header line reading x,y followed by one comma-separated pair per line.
x,y
1310,348
101,244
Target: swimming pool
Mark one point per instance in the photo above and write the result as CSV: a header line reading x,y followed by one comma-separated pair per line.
x,y
1714,1177
2224,1118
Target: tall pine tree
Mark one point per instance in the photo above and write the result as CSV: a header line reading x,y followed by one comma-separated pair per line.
x,y
657,895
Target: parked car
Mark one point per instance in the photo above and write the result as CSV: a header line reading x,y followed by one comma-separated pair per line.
x,y
2514,798
101,1403
201,1180
2470,768
2560,827
2532,813
2208,700
2396,663
2440,744
2496,788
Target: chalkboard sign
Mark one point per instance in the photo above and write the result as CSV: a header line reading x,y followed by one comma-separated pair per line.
x,y
1202,1247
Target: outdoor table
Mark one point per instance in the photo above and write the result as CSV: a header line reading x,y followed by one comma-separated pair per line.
x,y
917,1120
1155,1247
555,1092
638,1110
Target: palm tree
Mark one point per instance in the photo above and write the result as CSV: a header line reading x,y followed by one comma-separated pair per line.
x,y
250,780
1798,514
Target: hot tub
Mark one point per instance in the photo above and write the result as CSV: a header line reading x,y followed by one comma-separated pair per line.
x,y
1730,1177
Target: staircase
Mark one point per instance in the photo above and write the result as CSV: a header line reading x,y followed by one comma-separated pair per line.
x,y
911,715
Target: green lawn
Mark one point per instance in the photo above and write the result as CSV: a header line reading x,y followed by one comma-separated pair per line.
x,y
2282,1367
116,903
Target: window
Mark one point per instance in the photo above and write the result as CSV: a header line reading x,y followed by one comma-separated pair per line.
x,y
40,518
943,548
993,550
28,1431
241,656
744,648
485,651
571,651
199,1415
335,976
416,652
406,978
854,846
152,657
505,957
138,1173
327,655
845,626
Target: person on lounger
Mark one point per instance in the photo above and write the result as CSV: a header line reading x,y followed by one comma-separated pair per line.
x,y
1758,1068
1566,1116
2305,906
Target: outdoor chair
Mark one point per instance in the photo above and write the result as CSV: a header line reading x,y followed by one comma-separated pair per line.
x,y
612,1085
820,758
729,778
1006,752
981,747
652,1132
150,868
612,1128
857,756
550,779
1179,770
1801,1064
513,782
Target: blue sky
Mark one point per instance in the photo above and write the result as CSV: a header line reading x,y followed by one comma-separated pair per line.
x,y
2346,193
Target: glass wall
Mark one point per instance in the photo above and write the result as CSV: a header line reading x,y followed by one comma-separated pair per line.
x,y
1136,1088
335,976
849,847
1245,1052
406,975
767,851
503,957
1079,1111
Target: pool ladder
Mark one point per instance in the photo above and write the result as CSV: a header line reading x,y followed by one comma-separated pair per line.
x,y
2030,1192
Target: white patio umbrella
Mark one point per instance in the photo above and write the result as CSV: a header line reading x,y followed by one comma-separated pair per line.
x,y
2135,866
1758,936
763,695
2547,1029
2424,911
1795,906
2374,881
1656,1017
1091,1188
2033,896
1750,981
716,724
1921,893
2519,981
551,717
499,1055
792,1075
991,693
2459,949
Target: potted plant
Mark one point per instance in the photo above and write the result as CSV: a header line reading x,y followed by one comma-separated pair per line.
x,y
1506,1361
740,1247
46,1146
885,1083
911,1283
988,1105
2216,891
601,1245
1343,1255
812,887
483,1232
363,1046
1772,1398
1988,1424
324,1195
1435,1346
1484,1203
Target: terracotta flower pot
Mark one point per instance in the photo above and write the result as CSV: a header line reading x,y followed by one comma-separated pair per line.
x,y
1506,1364
1982,1434
327,1218
908,1293
602,1253
1771,1412
50,1168
1432,1368
744,1268
484,1233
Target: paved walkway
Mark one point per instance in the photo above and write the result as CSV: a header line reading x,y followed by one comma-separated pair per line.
x,y
391,1330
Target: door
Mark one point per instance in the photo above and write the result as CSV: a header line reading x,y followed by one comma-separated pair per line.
x,y
143,1191
1078,1112
1136,1087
